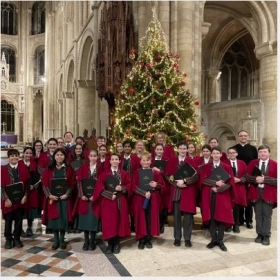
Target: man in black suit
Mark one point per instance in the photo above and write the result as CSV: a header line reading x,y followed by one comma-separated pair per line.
x,y
246,152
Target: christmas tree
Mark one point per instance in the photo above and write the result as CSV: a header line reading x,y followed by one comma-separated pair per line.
x,y
154,97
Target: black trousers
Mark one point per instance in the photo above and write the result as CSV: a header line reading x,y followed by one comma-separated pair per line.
x,y
17,216
248,211
217,229
187,222
236,210
148,220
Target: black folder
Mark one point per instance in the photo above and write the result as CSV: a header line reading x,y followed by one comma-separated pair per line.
x,y
111,183
15,192
219,174
58,186
160,164
35,178
184,171
145,177
88,186
256,171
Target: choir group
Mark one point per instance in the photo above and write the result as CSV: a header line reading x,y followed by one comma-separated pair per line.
x,y
73,187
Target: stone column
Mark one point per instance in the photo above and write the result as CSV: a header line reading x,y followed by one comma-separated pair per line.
x,y
142,19
213,86
164,18
86,105
267,55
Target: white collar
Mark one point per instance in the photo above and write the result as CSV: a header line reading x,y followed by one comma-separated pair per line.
x,y
14,166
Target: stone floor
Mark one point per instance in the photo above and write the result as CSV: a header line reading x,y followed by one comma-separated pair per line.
x,y
244,257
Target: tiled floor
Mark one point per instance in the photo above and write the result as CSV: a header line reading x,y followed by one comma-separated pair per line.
x,y
244,257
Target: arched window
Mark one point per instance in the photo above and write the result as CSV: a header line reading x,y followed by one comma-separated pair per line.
x,y
38,18
7,117
236,68
39,72
11,60
8,18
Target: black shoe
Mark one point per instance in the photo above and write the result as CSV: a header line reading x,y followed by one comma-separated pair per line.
x,y
23,233
18,243
55,245
85,246
162,229
212,244
92,245
8,244
177,242
249,225
141,245
228,229
236,229
62,245
109,249
117,249
259,238
29,232
148,244
222,246
266,241
188,243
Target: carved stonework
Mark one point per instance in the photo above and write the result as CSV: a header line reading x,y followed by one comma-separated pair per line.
x,y
116,39
68,94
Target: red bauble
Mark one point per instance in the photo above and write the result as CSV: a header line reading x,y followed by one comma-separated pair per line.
x,y
196,102
168,91
149,134
185,75
131,90
148,65
169,55
159,57
133,51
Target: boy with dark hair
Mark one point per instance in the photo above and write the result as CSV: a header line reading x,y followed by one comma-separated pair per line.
x,y
183,195
10,174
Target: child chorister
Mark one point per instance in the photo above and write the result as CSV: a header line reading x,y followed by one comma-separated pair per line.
x,y
113,204
58,209
10,174
146,204
84,207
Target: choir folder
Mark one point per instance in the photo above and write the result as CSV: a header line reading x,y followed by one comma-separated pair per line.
x,y
58,186
15,192
88,186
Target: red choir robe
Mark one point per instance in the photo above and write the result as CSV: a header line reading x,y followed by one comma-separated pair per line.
x,y
23,176
34,200
269,191
240,188
81,206
188,194
168,152
50,209
134,164
114,221
224,200
139,212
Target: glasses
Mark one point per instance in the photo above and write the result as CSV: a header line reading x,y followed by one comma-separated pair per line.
x,y
38,145
242,135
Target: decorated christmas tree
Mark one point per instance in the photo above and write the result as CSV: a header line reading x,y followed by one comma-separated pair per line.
x,y
154,97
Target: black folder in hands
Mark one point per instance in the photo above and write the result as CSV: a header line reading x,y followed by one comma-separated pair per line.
x,y
160,164
35,178
256,171
111,183
15,192
145,177
219,174
184,171
88,186
58,186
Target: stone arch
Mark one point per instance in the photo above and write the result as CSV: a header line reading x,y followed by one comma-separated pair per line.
x,y
10,100
225,133
86,57
84,40
70,70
